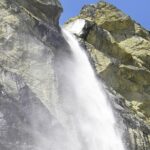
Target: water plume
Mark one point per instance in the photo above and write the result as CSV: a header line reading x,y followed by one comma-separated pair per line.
x,y
89,119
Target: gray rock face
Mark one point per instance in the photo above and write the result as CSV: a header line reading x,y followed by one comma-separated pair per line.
x,y
28,94
47,11
136,133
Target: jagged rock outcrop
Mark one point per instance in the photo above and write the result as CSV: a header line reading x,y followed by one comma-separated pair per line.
x,y
47,11
119,49
29,35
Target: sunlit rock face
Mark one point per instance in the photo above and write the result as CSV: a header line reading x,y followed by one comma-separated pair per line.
x,y
119,49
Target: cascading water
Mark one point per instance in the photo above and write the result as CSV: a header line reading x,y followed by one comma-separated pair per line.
x,y
89,120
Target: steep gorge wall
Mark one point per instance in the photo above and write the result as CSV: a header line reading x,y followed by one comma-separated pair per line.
x,y
31,55
29,36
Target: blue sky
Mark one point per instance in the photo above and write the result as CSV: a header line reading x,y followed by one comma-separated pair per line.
x,y
139,10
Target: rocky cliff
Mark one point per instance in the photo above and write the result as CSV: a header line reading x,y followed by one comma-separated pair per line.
x,y
119,49
29,34
31,80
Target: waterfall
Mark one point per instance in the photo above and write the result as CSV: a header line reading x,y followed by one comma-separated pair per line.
x,y
89,120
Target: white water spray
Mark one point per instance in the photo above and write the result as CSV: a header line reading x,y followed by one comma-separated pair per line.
x,y
89,121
